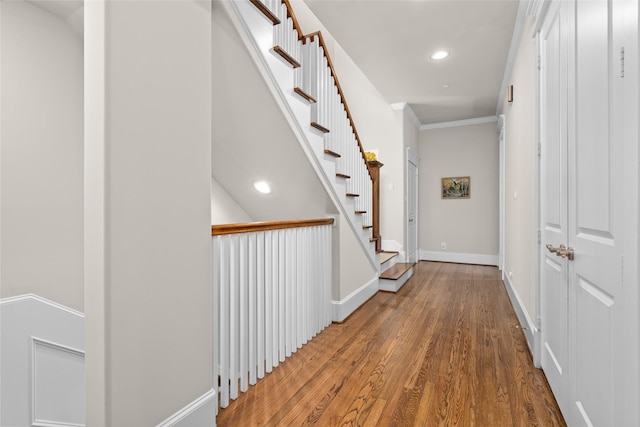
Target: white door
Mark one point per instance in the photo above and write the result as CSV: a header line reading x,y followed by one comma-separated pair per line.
x,y
412,206
589,205
553,164
597,229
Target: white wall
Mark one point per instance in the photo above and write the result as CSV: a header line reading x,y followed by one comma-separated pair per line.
x,y
148,209
355,268
468,226
520,174
410,131
41,163
224,209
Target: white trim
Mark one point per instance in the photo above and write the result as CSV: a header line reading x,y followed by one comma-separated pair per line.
x,y
413,158
343,308
35,342
531,332
191,408
455,123
408,111
459,258
502,142
36,298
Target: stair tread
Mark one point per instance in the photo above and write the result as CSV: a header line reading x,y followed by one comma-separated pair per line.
x,y
320,127
310,99
285,55
267,13
341,175
386,256
397,270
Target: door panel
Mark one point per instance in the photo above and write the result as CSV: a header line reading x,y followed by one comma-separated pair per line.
x,y
593,150
595,212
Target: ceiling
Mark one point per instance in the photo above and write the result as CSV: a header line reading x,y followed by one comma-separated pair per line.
x,y
71,11
391,42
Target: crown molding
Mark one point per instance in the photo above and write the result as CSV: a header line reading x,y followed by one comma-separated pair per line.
x,y
455,123
408,111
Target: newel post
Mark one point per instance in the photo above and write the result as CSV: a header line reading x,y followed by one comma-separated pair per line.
x,y
374,169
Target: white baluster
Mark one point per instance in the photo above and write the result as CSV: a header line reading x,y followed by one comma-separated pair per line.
x,y
217,304
253,308
225,321
300,284
260,303
269,307
234,317
282,307
290,290
243,311
278,260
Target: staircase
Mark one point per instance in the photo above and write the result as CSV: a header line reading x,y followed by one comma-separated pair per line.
x,y
304,79
394,274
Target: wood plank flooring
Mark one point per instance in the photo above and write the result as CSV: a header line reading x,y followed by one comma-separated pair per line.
x,y
445,350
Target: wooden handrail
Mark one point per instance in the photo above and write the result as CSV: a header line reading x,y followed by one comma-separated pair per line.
x,y
343,99
252,227
292,15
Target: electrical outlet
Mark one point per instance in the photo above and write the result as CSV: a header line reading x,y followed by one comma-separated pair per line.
x,y
443,245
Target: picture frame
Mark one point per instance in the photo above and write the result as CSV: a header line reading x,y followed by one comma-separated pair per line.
x,y
457,187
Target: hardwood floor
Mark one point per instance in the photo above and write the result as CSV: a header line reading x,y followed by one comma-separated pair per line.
x,y
445,350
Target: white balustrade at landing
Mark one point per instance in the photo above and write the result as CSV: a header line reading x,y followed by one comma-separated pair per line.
x,y
272,294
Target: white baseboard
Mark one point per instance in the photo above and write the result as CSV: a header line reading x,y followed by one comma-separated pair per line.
x,y
459,258
530,330
395,285
199,413
343,308
42,363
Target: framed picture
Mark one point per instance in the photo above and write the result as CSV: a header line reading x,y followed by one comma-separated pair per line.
x,y
458,187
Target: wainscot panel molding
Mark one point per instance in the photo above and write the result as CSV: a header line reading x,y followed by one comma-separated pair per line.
x,y
41,363
343,308
459,258
199,413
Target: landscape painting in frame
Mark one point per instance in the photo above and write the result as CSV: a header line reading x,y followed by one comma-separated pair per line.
x,y
458,187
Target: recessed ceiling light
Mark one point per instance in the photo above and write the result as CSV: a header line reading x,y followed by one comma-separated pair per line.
x,y
446,85
262,186
441,54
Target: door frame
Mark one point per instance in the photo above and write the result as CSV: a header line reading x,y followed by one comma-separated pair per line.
x,y
502,135
412,157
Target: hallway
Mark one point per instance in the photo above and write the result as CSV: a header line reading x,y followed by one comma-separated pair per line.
x,y
445,350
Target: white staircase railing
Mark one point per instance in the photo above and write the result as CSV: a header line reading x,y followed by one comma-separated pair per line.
x,y
313,77
272,294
